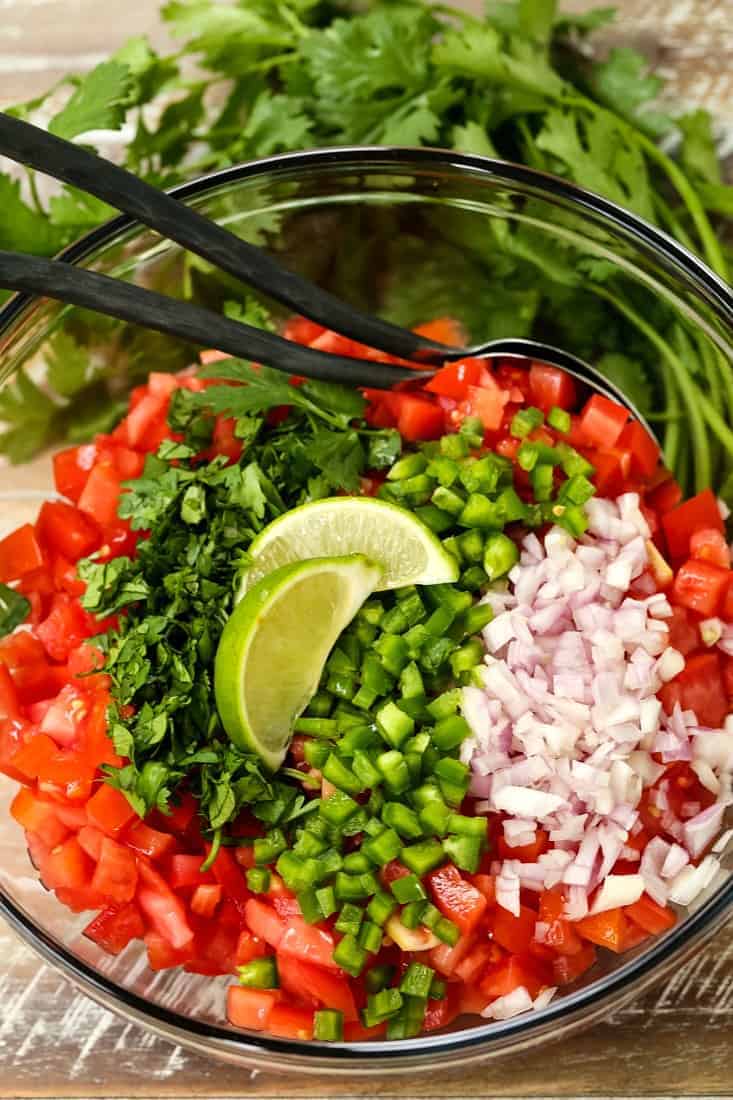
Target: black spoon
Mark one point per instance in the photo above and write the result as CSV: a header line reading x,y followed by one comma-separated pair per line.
x,y
30,145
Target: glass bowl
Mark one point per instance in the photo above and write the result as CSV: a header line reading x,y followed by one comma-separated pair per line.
x,y
411,234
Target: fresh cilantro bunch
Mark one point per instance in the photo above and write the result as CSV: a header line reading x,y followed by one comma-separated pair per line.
x,y
277,75
178,591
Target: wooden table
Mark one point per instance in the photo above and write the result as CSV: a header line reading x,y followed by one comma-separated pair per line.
x,y
675,1041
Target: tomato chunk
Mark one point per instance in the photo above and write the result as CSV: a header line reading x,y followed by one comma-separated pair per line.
x,y
454,379
643,449
250,1008
20,553
605,929
602,421
698,512
457,899
417,418
701,586
314,983
550,386
115,927
116,873
67,530
709,544
101,494
515,933
308,943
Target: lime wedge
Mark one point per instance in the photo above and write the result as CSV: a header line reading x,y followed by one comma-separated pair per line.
x,y
407,550
275,644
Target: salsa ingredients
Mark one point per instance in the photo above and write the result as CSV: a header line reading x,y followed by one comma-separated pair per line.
x,y
275,644
407,550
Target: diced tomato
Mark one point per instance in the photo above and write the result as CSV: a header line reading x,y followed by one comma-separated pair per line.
x,y
162,956
515,933
64,717
486,885
230,877
214,950
444,330
182,813
31,757
20,553
487,402
67,775
701,586
301,330
550,386
109,810
417,417
611,471
701,689
116,873
115,927
145,422
355,1032
698,512
149,842
38,817
101,494
9,701
67,530
511,973
185,871
71,469
445,958
290,1022
79,899
568,968
306,942
475,962
454,379
643,449
263,922
665,496
251,1008
604,929
316,985
65,627
443,1012
602,421
224,441
651,916
67,866
709,544
205,900
457,899
527,853
164,911
683,632
91,839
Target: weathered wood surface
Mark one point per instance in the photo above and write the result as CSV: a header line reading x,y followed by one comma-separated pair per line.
x,y
675,1041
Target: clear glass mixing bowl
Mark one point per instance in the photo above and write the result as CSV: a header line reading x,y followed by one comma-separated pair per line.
x,y
402,232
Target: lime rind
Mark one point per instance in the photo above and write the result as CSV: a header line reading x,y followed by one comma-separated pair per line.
x,y
276,642
409,552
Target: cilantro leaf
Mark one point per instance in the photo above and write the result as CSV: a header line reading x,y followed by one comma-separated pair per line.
x,y
23,229
697,152
623,83
339,456
630,377
99,102
14,609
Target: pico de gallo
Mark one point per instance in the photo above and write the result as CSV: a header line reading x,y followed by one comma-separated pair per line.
x,y
496,780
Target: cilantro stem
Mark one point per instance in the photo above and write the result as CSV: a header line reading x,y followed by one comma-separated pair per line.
x,y
708,239
214,852
717,422
673,429
689,392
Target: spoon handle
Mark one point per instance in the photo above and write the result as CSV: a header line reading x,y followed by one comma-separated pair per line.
x,y
30,145
127,302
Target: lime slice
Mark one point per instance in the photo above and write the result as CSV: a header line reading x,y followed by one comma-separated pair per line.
x,y
407,550
275,644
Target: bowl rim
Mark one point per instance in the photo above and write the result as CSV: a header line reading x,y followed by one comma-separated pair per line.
x,y
477,1039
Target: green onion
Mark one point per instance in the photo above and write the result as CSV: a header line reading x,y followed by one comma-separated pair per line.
x,y
328,1025
500,555
408,888
258,880
259,973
